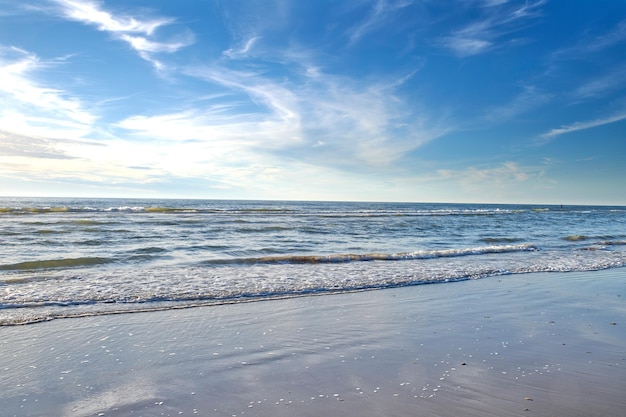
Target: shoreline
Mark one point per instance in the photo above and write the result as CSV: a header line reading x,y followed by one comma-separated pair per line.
x,y
534,344
160,306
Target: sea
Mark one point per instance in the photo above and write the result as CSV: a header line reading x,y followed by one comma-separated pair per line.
x,y
68,257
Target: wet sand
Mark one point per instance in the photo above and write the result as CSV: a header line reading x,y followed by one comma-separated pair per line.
x,y
526,345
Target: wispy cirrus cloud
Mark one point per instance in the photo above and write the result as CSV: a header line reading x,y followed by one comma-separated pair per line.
x,y
508,180
146,46
331,117
243,50
313,115
463,46
492,3
139,34
601,50
26,156
258,127
590,44
51,130
504,173
584,125
499,19
610,82
380,13
366,125
17,145
528,99
46,129
90,12
36,108
279,116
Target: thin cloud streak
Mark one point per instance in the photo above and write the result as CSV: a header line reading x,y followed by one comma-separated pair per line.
x,y
464,47
529,99
280,123
509,181
487,33
16,145
356,122
612,81
125,28
592,45
575,127
89,12
243,51
37,109
382,11
503,174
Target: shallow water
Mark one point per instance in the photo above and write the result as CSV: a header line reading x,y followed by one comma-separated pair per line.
x,y
73,257
474,348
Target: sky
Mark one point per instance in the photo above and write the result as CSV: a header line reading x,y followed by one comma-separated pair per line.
x,y
486,101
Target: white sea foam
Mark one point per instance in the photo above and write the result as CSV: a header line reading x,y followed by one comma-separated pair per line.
x,y
118,290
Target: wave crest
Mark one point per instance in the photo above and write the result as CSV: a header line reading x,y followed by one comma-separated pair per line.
x,y
350,257
55,263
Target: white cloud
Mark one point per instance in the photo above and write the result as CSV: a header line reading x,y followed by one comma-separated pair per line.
x,y
364,124
33,158
125,28
527,9
141,44
222,132
584,125
613,80
29,107
499,19
16,145
243,50
358,122
494,3
380,13
45,131
505,173
508,181
593,44
89,12
614,37
280,122
528,99
464,47
327,121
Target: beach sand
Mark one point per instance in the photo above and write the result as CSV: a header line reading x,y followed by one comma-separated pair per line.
x,y
550,344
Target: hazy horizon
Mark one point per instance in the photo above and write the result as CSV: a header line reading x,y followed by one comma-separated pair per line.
x,y
261,200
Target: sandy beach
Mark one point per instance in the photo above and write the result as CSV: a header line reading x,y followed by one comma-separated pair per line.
x,y
550,344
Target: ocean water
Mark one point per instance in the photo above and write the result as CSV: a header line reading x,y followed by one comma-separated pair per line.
x,y
80,257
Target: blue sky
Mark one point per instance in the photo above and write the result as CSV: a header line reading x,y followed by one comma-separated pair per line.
x,y
498,101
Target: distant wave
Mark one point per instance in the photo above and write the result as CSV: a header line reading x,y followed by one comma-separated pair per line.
x,y
500,239
576,238
136,209
350,257
612,242
65,263
600,240
55,263
23,210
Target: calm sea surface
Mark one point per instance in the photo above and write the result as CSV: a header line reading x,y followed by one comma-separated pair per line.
x,y
73,257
